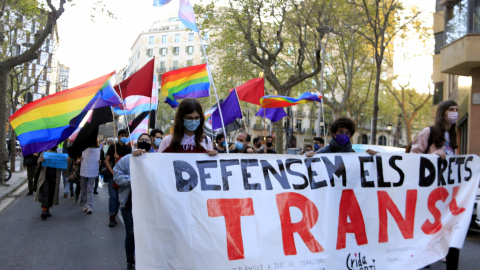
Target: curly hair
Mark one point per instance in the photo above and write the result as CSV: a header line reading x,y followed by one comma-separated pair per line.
x,y
343,122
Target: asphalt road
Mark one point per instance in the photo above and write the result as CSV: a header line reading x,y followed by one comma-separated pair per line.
x,y
70,239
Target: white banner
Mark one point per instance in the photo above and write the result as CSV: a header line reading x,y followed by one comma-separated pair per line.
x,y
260,212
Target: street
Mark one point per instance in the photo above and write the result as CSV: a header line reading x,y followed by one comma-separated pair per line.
x,y
70,239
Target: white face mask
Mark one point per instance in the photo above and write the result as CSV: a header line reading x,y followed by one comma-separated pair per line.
x,y
452,117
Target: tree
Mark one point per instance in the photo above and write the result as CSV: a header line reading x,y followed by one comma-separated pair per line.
x,y
11,12
274,35
383,19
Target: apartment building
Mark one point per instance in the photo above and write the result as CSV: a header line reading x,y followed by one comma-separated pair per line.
x,y
456,65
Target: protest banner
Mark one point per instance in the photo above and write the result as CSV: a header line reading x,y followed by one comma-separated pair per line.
x,y
89,165
55,160
332,211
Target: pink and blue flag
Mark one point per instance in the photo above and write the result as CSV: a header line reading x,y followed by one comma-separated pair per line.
x,y
187,16
137,104
159,3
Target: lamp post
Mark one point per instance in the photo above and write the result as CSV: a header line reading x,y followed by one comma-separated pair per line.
x,y
323,29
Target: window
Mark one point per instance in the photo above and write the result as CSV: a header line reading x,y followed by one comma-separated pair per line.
x,y
173,19
382,140
163,51
205,35
164,39
176,50
177,37
189,62
150,40
438,93
298,125
439,41
175,64
162,67
189,49
191,36
149,52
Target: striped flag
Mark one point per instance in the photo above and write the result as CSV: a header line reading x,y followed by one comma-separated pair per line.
x,y
284,101
137,104
186,82
159,3
187,16
142,127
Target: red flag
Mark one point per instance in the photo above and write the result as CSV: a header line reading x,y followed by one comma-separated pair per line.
x,y
140,83
251,91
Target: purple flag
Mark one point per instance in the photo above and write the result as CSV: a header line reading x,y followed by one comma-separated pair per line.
x,y
187,16
230,111
159,3
274,114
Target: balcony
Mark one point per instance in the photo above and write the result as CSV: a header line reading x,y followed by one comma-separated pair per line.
x,y
460,56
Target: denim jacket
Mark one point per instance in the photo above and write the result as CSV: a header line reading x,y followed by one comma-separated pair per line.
x,y
121,176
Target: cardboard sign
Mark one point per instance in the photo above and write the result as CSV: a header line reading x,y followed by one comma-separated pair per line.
x,y
89,165
55,160
260,212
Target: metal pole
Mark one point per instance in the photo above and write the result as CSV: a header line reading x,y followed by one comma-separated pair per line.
x,y
321,114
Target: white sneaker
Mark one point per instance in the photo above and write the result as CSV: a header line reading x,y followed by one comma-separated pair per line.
x,y
84,209
89,211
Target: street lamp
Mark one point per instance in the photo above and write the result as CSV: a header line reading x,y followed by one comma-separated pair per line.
x,y
322,29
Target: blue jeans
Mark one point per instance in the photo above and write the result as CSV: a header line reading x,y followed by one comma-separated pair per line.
x,y
129,237
113,203
86,189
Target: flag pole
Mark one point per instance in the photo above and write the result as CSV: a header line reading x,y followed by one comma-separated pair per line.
x,y
238,99
125,114
214,88
115,143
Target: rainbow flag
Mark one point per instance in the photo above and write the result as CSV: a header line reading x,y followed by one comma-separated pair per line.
x,y
284,101
44,123
186,82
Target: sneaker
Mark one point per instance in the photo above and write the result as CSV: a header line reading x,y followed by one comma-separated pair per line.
x,y
89,211
84,209
71,198
95,192
44,215
111,223
65,195
130,266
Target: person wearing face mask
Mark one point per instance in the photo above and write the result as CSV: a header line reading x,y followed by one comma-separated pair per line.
x,y
269,146
121,176
220,143
156,135
243,140
441,139
318,142
341,130
188,131
257,144
114,154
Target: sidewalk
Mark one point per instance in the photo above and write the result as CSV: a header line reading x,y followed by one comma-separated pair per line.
x,y
12,188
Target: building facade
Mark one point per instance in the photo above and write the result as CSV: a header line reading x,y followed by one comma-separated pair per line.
x,y
63,75
456,66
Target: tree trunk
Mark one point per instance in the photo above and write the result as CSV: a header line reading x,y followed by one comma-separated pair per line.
x,y
13,153
3,121
279,137
375,105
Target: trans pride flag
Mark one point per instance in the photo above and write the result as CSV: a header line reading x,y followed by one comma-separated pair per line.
x,y
284,101
45,123
186,82
137,104
159,3
185,13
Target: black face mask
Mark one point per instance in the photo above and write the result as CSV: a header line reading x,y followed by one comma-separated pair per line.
x,y
269,144
144,145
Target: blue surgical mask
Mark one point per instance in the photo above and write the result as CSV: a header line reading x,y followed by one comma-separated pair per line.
x,y
124,140
238,145
223,144
157,141
342,139
191,124
316,146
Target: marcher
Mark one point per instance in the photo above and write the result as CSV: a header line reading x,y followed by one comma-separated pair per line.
x,y
66,185
441,139
188,131
243,140
257,144
88,181
307,148
318,143
121,176
269,146
220,144
156,135
48,186
115,152
31,162
341,130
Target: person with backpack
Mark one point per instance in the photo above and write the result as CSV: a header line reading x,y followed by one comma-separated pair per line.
x,y
441,139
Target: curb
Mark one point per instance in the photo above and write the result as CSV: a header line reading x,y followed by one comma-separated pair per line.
x,y
15,183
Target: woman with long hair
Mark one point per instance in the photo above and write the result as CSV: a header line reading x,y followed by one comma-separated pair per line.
x,y
441,139
188,131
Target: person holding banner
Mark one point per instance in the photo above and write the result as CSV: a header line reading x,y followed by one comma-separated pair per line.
x,y
441,139
243,140
156,136
121,176
220,143
48,186
188,131
341,130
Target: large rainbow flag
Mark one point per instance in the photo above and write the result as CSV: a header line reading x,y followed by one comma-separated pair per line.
x,y
44,123
186,82
284,101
